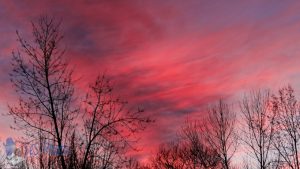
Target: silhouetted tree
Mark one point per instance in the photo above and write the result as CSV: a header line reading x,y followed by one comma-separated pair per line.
x,y
190,151
258,132
287,135
220,132
73,159
135,164
195,148
170,156
108,124
44,82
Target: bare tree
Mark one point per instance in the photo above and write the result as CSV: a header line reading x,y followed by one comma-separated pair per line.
x,y
170,156
190,151
196,150
258,134
44,82
73,156
220,132
108,124
135,164
287,135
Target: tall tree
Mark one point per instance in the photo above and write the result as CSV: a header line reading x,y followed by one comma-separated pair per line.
x,y
220,132
195,148
287,135
258,132
108,124
45,85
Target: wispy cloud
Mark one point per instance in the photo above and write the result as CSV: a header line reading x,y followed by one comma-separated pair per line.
x,y
172,57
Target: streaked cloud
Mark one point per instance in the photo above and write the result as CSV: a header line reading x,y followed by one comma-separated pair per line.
x,y
171,57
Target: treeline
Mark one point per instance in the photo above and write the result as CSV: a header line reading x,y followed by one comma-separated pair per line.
x,y
267,133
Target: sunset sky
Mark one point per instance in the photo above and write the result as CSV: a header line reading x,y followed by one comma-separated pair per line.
x,y
171,57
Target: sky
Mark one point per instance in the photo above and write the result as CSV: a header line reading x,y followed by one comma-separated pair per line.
x,y
171,57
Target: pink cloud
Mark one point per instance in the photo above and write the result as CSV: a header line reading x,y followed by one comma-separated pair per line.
x,y
171,58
